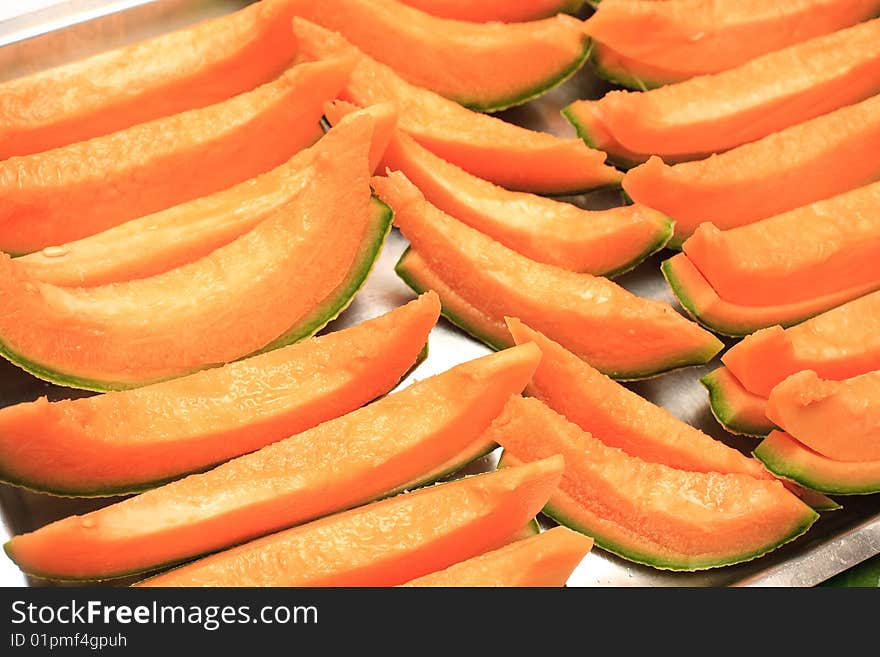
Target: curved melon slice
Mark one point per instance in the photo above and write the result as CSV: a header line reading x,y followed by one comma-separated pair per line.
x,y
504,11
647,512
547,559
702,302
593,317
506,154
713,113
395,443
128,441
786,457
81,189
171,73
736,409
385,543
838,419
808,162
643,43
276,284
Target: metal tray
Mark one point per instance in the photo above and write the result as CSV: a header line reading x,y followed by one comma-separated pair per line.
x,y
77,28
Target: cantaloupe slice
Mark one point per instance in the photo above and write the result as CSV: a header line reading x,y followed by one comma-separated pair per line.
x,y
128,441
170,73
643,43
504,153
505,11
607,242
714,113
547,559
593,317
81,189
647,512
385,543
736,409
276,284
838,419
808,162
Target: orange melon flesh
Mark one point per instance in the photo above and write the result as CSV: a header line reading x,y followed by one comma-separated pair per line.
x,y
171,73
797,166
506,154
591,316
276,284
619,417
838,419
128,441
656,43
713,113
486,11
736,409
647,512
837,344
385,543
547,559
78,190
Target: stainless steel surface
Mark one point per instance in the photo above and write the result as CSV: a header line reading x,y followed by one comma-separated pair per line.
x,y
838,541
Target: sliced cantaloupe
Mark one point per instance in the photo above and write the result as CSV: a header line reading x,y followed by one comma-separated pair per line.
x,y
505,11
385,543
788,458
838,419
736,409
276,284
128,441
504,153
170,73
643,43
808,162
593,317
714,113
547,559
647,512
78,190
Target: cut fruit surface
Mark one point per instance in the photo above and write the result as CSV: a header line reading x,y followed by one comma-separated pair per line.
x,y
278,283
647,512
504,11
70,192
591,316
127,441
389,542
506,154
736,409
547,559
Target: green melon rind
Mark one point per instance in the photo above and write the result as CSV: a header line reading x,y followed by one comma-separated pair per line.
x,y
308,327
725,413
583,132
656,246
621,77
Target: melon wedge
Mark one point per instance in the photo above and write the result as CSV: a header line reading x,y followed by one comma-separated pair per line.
x,y
713,113
547,559
128,441
506,154
276,284
797,166
647,512
505,11
593,317
385,543
171,73
78,190
736,409
788,458
643,43
838,419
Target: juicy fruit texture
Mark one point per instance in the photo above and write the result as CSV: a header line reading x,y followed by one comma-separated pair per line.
x,y
607,242
644,43
647,512
81,189
547,559
506,154
183,70
385,543
713,113
838,419
126,441
786,457
736,409
621,418
486,11
591,316
278,283
808,162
